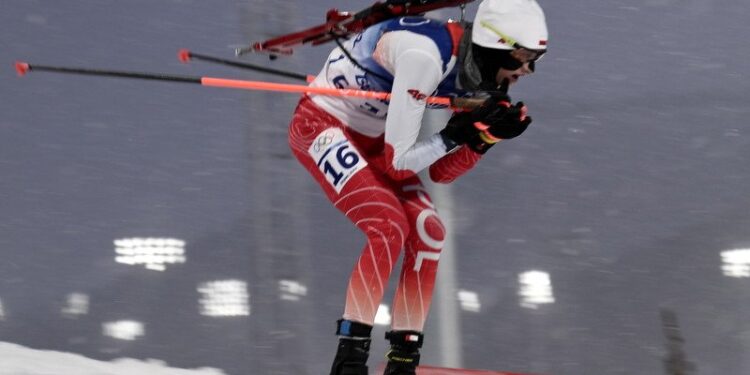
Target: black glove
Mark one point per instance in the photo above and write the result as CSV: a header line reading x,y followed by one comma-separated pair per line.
x,y
481,128
508,124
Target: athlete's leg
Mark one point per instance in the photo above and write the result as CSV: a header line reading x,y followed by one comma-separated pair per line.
x,y
414,292
332,157
422,251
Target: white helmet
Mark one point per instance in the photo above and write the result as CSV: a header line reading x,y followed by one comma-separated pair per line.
x,y
510,24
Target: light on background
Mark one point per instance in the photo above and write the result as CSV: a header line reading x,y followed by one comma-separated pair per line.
x,y
383,316
534,289
2,311
469,301
152,253
290,290
77,304
224,298
123,329
736,263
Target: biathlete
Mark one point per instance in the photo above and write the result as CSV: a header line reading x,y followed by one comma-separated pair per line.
x,y
365,154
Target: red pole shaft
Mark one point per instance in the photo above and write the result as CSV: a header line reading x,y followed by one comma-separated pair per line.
x,y
22,68
283,87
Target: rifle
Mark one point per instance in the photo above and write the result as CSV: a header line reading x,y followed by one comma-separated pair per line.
x,y
344,24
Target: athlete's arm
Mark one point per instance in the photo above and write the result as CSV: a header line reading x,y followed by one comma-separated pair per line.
x,y
454,165
415,63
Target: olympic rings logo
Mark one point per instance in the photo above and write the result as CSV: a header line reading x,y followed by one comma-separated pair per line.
x,y
323,141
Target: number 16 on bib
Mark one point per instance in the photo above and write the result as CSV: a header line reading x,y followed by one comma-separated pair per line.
x,y
336,157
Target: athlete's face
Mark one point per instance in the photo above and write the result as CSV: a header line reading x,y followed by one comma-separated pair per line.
x,y
513,75
525,58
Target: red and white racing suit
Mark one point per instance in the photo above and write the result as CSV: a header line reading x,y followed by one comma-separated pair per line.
x,y
367,165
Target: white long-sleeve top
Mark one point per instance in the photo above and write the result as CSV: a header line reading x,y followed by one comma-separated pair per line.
x,y
414,61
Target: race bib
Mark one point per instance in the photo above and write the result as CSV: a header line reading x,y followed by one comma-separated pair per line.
x,y
336,157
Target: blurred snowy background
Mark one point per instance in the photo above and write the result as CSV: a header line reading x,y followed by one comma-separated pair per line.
x,y
166,221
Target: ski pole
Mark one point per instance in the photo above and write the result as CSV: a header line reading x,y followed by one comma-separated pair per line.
x,y
23,68
186,55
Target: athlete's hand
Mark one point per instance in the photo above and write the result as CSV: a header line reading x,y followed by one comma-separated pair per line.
x,y
507,123
494,120
460,128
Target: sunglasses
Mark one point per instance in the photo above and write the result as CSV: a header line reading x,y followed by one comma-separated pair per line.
x,y
523,55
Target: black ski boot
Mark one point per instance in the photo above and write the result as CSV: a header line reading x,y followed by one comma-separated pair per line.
x,y
403,357
353,349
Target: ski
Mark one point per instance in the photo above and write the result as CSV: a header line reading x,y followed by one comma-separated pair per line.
x,y
430,370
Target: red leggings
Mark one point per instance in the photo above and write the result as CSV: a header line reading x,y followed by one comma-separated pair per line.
x,y
394,215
